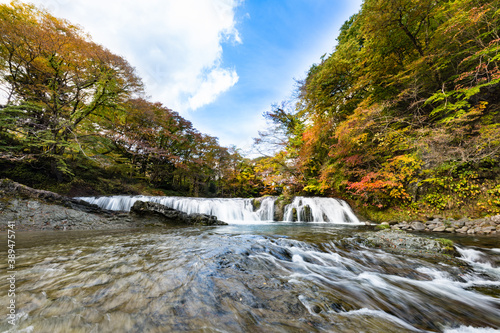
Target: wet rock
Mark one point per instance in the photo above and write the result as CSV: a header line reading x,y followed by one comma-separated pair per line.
x,y
279,208
31,214
469,223
458,224
489,229
439,229
11,189
172,216
404,225
418,226
404,242
32,209
257,203
383,225
432,226
306,214
294,214
482,226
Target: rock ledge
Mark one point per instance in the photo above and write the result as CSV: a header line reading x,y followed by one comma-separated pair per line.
x,y
30,209
170,215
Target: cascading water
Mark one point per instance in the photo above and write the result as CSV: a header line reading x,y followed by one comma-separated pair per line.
x,y
319,210
238,210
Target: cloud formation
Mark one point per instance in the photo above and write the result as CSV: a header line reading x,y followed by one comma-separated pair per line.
x,y
176,46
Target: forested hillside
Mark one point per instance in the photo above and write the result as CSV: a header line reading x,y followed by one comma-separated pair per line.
x,y
74,119
403,114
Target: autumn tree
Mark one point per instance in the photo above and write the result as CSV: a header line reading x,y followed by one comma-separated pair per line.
x,y
54,77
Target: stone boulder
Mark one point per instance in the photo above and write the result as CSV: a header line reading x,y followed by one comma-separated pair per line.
x,y
402,242
418,226
31,209
171,216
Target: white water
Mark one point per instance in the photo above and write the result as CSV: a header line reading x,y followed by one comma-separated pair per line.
x,y
240,210
470,329
321,210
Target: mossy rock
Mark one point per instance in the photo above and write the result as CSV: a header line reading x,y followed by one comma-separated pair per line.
x,y
402,242
294,214
279,207
256,204
382,226
306,214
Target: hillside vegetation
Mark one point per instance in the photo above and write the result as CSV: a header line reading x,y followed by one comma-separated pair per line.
x,y
403,116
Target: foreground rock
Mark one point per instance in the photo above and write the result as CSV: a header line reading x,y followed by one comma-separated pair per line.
x,y
484,226
165,214
31,209
402,242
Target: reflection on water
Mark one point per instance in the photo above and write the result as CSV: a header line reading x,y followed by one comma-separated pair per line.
x,y
255,278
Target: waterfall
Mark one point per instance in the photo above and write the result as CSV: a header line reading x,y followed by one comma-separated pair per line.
x,y
235,210
315,209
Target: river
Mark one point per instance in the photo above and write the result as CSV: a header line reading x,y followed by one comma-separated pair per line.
x,y
259,277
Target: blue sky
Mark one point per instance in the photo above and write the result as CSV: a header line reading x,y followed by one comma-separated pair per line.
x,y
280,41
219,63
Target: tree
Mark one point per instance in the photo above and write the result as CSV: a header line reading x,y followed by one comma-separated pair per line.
x,y
55,78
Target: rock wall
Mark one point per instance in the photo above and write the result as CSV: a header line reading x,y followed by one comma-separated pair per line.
x,y
32,214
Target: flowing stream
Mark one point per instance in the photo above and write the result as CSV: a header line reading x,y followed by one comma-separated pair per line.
x,y
267,277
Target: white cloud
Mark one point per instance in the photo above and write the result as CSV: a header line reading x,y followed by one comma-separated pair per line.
x,y
176,45
214,83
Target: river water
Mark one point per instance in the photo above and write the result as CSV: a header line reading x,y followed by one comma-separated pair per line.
x,y
269,277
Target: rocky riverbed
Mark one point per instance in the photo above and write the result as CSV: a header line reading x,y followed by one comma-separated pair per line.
x,y
485,226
